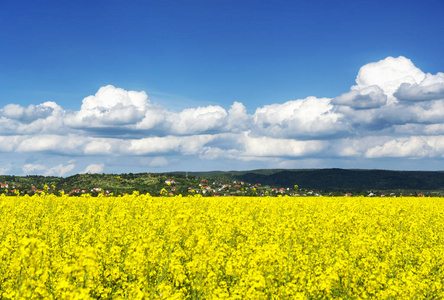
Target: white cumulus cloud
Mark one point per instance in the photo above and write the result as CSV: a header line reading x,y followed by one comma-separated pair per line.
x,y
60,170
43,118
197,120
388,74
308,117
93,169
31,168
110,107
365,98
394,110
266,146
430,88
414,147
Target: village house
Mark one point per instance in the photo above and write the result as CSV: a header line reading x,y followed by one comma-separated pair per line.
x,y
170,181
77,191
203,182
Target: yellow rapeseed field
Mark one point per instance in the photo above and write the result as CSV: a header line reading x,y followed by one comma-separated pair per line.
x,y
142,247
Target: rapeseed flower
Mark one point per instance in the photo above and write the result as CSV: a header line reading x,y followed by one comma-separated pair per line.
x,y
142,247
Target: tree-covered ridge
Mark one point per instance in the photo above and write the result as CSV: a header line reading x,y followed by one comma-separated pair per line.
x,y
254,182
152,183
342,179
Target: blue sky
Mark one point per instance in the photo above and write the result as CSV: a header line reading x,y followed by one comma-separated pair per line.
x,y
204,85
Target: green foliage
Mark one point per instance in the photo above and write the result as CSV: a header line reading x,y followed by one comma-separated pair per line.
x,y
324,181
351,180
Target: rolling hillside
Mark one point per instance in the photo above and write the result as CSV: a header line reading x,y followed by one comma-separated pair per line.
x,y
339,179
327,180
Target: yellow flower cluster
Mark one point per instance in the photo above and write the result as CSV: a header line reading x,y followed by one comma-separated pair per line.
x,y
142,247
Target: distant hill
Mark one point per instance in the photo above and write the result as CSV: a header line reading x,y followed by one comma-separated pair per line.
x,y
339,179
327,180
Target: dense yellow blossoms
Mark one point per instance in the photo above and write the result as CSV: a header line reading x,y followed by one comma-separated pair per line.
x,y
142,247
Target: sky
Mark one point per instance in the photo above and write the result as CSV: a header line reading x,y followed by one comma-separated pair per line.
x,y
159,86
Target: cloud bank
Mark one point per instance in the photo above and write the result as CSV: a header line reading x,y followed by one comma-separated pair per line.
x,y
395,110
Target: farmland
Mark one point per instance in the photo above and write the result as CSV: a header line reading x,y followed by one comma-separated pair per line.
x,y
143,247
